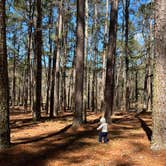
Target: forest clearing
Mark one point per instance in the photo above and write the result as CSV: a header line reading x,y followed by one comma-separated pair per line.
x,y
55,143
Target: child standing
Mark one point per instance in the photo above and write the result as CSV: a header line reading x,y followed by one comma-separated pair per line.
x,y
104,130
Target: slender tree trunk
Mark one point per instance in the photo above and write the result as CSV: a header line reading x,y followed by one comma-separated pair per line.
x,y
86,61
22,87
57,71
69,93
109,86
52,86
89,103
78,118
95,59
64,59
49,63
117,84
14,72
38,43
94,47
127,93
19,92
64,92
52,92
159,111
147,81
136,90
73,75
4,84
28,65
32,59
104,56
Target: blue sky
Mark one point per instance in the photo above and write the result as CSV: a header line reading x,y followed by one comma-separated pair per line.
x,y
134,6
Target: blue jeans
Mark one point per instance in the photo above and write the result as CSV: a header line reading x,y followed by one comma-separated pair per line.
x,y
103,135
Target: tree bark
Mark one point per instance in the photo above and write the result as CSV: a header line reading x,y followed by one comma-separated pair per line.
x,y
86,60
38,43
109,86
4,84
57,70
29,45
159,109
127,93
104,56
14,72
49,61
78,118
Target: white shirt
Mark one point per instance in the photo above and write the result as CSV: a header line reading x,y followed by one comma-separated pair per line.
x,y
103,127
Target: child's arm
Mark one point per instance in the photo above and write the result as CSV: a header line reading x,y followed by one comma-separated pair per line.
x,y
100,127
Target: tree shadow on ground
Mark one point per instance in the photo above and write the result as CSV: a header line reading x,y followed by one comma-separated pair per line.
x,y
145,127
48,149
41,137
24,123
120,163
53,146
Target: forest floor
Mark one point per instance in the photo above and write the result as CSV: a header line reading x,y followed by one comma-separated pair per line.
x,y
55,143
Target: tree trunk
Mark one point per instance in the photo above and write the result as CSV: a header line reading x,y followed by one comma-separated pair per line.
x,y
86,61
38,43
109,86
104,56
65,51
159,109
78,118
14,72
136,90
127,93
52,86
49,62
4,84
57,70
29,45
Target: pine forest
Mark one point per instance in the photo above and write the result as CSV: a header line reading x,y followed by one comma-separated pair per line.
x,y
83,82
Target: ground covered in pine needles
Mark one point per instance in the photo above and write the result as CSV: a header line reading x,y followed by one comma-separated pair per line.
x,y
55,143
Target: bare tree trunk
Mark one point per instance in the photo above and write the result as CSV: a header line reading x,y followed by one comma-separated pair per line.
x,y
104,56
19,93
57,71
109,86
159,111
49,62
78,118
86,61
89,103
95,58
38,43
147,81
52,86
136,90
23,88
94,74
117,83
4,83
127,92
14,72
73,75
64,59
